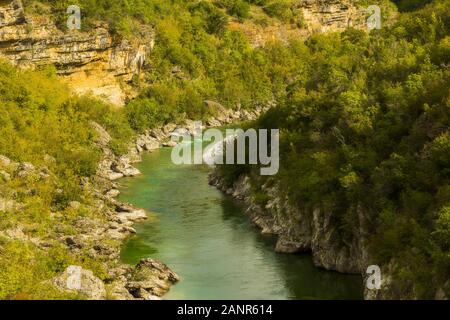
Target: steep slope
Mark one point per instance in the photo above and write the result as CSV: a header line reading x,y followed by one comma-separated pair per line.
x,y
92,62
308,17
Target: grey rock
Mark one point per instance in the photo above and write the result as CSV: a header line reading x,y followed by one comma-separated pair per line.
x,y
135,215
4,161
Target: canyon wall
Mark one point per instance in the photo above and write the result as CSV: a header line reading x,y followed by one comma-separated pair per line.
x,y
104,65
92,62
332,15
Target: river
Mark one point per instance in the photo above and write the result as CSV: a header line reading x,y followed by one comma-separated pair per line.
x,y
206,238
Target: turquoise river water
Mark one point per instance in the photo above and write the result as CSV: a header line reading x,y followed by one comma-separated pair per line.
x,y
206,238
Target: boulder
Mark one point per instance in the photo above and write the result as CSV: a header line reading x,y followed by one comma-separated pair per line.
x,y
213,123
290,246
169,128
130,171
123,166
112,193
146,142
118,291
151,144
158,134
170,144
114,175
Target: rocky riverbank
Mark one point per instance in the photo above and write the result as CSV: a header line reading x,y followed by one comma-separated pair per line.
x,y
150,279
94,227
314,231
96,233
303,231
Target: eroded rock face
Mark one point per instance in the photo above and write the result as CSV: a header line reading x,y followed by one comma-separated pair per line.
x,y
149,280
93,62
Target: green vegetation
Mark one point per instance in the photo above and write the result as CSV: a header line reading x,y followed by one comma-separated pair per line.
x,y
41,123
364,120
366,124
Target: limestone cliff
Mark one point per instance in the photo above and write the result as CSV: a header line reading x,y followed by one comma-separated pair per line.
x,y
316,16
92,62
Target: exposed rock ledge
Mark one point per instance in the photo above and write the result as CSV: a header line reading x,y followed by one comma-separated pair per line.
x,y
318,16
149,280
300,231
92,62
101,237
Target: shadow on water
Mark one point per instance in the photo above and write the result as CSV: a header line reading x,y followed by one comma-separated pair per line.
x,y
208,240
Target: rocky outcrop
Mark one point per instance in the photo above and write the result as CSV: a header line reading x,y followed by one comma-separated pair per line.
x,y
313,230
302,230
92,62
313,16
332,15
150,280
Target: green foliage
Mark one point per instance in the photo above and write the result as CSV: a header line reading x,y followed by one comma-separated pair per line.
x,y
237,8
196,57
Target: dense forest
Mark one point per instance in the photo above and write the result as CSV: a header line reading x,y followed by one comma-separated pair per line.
x,y
367,123
364,119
